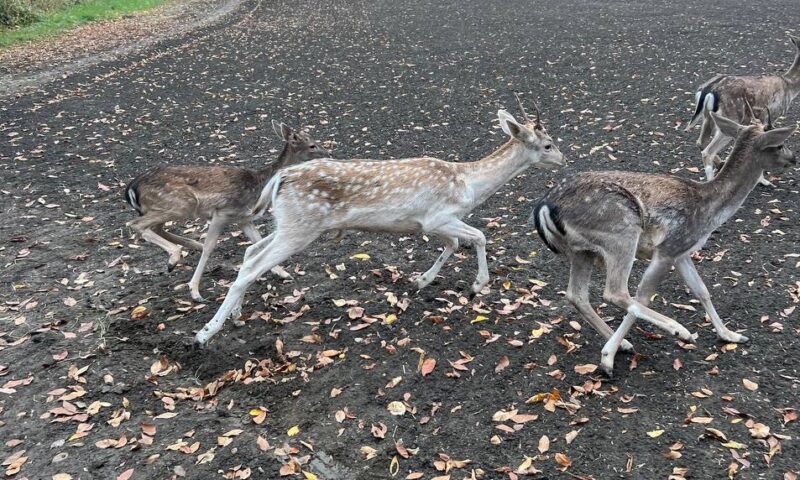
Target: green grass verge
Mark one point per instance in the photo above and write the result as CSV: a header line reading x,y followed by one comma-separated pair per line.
x,y
57,21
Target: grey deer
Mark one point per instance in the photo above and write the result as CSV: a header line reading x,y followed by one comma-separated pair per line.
x,y
729,96
397,196
221,194
611,218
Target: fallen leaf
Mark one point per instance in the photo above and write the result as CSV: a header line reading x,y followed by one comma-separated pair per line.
x,y
502,364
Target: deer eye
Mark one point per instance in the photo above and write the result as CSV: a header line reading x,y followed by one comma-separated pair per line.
x,y
548,147
312,147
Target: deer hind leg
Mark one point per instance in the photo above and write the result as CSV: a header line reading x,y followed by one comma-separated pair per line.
x,y
148,226
655,273
215,227
279,247
451,245
705,131
182,241
580,274
689,273
252,234
711,152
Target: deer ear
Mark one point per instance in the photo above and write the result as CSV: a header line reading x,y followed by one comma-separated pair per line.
x,y
509,124
276,127
726,126
286,132
773,138
795,40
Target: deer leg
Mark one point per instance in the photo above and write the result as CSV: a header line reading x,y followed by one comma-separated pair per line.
x,y
280,247
705,131
183,241
689,273
173,250
470,235
451,245
616,292
655,273
215,227
580,274
252,234
712,150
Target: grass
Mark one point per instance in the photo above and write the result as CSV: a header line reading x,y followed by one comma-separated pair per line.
x,y
57,21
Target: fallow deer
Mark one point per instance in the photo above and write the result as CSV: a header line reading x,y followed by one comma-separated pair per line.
x,y
396,196
728,96
223,195
613,217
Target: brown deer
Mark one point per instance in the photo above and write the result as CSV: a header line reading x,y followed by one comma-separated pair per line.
x,y
729,96
223,195
611,218
396,196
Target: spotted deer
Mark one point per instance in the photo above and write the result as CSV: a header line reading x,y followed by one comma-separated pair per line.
x,y
729,96
223,195
397,196
611,218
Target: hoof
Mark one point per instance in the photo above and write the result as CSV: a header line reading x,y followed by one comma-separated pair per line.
x,y
197,345
170,267
198,298
607,369
626,347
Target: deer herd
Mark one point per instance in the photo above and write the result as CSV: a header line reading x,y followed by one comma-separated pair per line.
x,y
607,218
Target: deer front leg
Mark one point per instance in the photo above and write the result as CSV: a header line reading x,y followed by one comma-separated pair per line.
x,y
689,273
470,235
652,277
711,152
451,244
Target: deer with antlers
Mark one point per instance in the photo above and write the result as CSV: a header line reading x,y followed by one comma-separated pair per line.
x,y
396,196
222,195
611,218
741,98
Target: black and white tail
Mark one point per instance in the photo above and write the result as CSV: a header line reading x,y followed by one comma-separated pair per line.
x,y
131,192
548,224
706,100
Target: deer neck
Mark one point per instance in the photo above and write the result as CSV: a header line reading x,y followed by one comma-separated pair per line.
x,y
730,188
487,175
267,171
792,76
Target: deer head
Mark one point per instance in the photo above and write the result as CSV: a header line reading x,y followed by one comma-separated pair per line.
x,y
539,147
298,147
768,149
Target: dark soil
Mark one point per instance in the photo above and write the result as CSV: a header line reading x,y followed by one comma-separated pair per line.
x,y
388,79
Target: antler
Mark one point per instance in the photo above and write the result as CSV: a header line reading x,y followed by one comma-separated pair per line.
x,y
524,113
752,113
769,119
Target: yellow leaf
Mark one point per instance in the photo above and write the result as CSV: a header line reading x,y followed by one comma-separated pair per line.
x,y
293,431
537,332
390,319
255,412
655,433
733,444
479,318
360,256
507,284
396,408
309,475
750,385
394,466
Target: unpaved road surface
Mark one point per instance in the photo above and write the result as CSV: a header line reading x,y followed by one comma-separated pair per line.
x,y
303,383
